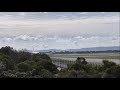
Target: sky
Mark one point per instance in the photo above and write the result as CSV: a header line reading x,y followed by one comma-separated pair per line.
x,y
59,30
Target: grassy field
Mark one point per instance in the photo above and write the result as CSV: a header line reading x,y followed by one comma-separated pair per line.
x,y
96,58
89,55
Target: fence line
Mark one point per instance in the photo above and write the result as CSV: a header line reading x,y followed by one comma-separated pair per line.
x,y
62,63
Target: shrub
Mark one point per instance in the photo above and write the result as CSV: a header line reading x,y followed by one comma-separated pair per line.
x,y
23,67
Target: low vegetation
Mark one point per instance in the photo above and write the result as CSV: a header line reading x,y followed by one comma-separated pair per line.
x,y
82,69
22,64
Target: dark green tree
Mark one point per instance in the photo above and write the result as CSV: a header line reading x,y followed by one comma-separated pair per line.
x,y
6,62
23,67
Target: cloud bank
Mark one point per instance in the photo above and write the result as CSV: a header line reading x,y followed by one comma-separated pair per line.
x,y
48,30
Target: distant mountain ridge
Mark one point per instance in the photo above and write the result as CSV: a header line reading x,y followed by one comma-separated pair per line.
x,y
98,48
82,49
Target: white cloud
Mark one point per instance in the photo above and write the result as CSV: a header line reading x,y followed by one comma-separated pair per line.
x,y
48,42
5,39
103,12
43,12
24,37
8,15
27,31
87,38
52,38
78,37
45,46
22,14
17,22
63,40
83,12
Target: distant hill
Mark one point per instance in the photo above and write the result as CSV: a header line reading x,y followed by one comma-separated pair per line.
x,y
79,50
97,49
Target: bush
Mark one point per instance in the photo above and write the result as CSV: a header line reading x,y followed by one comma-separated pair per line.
x,y
6,50
23,67
23,56
24,74
40,56
7,74
46,74
6,63
108,64
48,65
112,72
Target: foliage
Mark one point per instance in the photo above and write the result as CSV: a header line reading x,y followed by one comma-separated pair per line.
x,y
22,64
39,56
23,67
8,74
6,50
6,63
23,56
86,70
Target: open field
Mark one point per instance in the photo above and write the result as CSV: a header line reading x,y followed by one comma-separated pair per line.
x,y
97,58
89,55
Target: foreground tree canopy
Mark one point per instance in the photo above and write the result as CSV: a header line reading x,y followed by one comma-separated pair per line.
x,y
22,64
